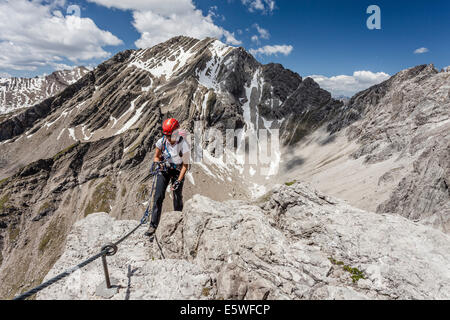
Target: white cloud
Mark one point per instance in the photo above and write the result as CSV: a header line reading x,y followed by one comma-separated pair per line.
x,y
349,85
271,50
261,5
263,33
158,21
36,34
229,38
213,12
165,7
421,50
62,66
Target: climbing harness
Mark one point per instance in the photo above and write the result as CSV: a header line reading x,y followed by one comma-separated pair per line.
x,y
167,156
109,249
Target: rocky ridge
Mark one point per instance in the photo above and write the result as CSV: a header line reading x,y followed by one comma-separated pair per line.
x,y
406,117
295,244
19,93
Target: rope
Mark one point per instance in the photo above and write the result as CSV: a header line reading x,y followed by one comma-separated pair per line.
x,y
108,250
147,211
44,285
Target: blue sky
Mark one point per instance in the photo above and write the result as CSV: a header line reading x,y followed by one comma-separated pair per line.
x,y
328,40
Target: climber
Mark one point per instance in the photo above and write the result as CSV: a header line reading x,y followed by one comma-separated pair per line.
x,y
171,161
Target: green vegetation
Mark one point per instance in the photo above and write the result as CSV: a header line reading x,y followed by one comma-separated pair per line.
x,y
4,181
44,207
205,292
64,152
52,235
142,193
132,151
45,240
103,195
290,183
336,262
13,233
356,274
3,201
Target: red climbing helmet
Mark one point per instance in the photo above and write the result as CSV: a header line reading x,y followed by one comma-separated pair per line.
x,y
169,126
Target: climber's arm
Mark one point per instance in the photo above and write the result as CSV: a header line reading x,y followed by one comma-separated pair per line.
x,y
183,171
158,155
185,149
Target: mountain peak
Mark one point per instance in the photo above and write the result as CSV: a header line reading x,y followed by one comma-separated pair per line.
x,y
423,71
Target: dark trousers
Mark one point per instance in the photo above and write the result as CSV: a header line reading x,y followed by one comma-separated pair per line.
x,y
162,181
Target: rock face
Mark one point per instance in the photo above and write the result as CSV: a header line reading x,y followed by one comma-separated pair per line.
x,y
407,117
19,93
96,140
89,148
295,244
140,273
386,150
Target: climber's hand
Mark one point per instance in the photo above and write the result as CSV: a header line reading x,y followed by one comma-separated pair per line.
x,y
156,167
176,185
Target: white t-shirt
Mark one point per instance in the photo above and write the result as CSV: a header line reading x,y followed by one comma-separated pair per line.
x,y
174,150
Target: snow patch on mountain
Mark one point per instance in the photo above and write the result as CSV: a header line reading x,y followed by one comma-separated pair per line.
x,y
133,119
219,53
159,66
72,133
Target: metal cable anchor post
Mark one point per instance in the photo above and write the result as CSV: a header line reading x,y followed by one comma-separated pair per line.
x,y
110,250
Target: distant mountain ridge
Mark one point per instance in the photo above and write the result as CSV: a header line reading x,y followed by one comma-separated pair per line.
x,y
17,93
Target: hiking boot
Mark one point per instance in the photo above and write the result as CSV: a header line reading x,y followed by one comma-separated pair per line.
x,y
151,231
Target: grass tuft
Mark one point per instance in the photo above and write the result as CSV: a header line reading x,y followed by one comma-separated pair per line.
x,y
290,183
13,233
60,154
103,195
3,201
44,207
4,181
206,292
355,273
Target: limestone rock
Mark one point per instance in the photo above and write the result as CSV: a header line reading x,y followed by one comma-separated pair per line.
x,y
300,244
139,274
